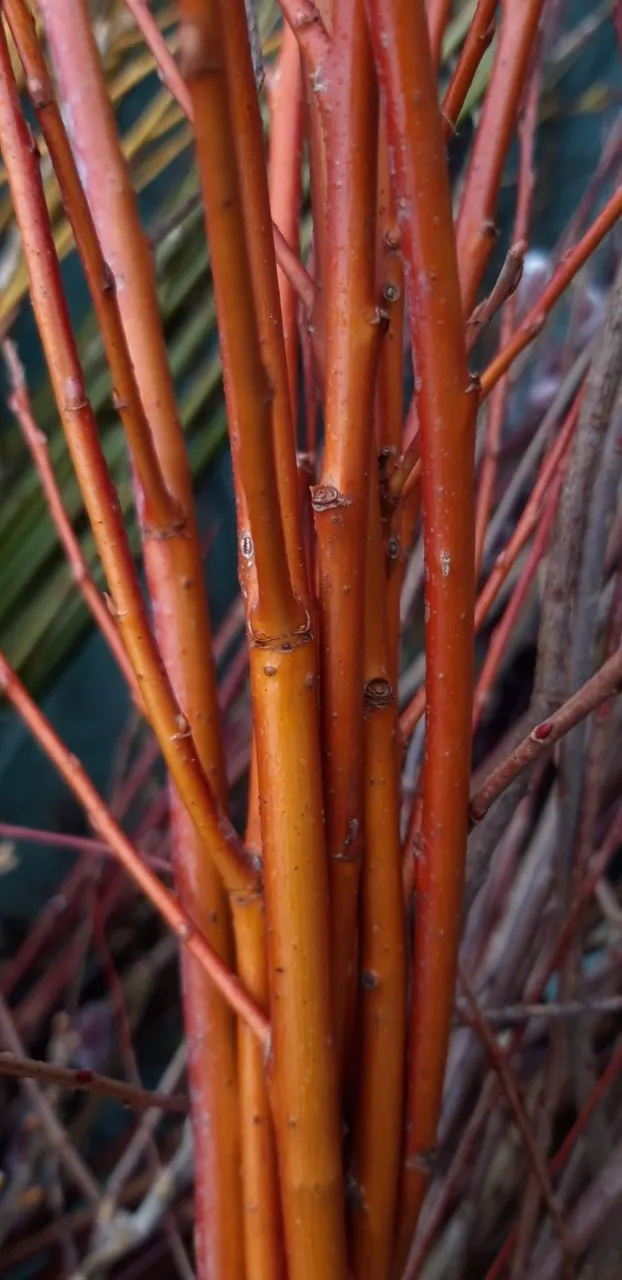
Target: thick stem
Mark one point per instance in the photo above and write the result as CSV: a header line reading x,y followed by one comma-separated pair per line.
x,y
263,1226
284,685
285,711
446,407
350,113
475,230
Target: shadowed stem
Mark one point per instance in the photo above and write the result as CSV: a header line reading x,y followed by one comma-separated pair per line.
x,y
446,407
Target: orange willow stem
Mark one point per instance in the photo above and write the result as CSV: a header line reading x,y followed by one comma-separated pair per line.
x,y
174,568
287,259
285,185
169,725
19,404
381,1037
263,1226
249,138
264,1243
349,109
478,38
446,407
568,268
161,510
284,690
146,880
475,230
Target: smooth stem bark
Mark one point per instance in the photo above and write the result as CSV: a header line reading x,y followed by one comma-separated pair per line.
x,y
381,1034
439,13
475,229
253,178
174,569
446,408
50,309
263,1225
478,38
285,709
285,186
161,510
349,107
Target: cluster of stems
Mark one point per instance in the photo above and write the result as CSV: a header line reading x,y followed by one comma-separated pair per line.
x,y
317,1015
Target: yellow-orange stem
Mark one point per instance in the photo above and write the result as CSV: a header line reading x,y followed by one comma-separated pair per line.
x,y
349,105
285,710
249,140
285,184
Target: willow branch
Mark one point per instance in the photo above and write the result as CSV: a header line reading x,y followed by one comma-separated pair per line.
x,y
19,404
543,736
475,230
532,324
446,406
162,899
71,1078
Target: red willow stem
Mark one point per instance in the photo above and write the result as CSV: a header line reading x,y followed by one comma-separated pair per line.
x,y
162,899
475,229
543,736
79,844
389,412
506,559
570,265
446,407
129,1095
509,1084
496,411
505,629
348,105
439,13
478,39
19,404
